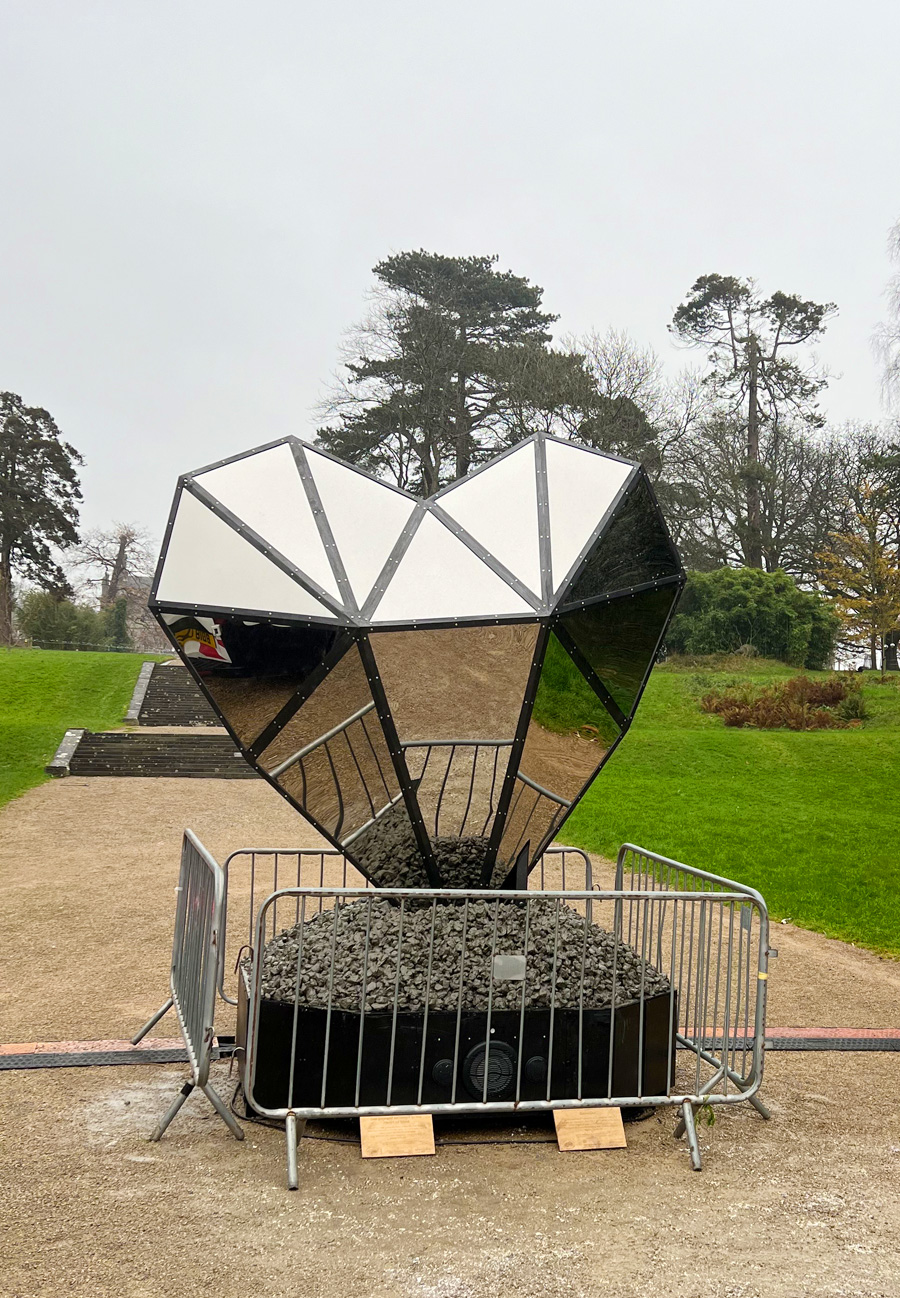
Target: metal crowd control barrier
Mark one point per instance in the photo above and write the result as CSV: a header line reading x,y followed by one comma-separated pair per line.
x,y
252,873
708,936
699,1042
199,917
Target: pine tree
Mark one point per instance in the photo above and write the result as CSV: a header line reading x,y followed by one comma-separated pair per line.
x,y
748,340
426,389
39,495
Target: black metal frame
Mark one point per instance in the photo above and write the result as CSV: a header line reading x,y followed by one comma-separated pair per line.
x,y
345,613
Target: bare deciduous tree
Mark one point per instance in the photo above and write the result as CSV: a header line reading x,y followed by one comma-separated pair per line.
x,y
624,370
800,479
887,335
115,561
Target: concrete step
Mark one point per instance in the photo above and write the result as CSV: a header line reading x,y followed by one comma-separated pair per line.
x,y
172,698
187,756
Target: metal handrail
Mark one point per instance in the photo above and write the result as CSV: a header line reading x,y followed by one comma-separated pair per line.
x,y
317,743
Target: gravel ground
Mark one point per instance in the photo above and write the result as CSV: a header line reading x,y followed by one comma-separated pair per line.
x,y
804,1206
365,937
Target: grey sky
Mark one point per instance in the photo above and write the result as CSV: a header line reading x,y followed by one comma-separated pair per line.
x,y
194,194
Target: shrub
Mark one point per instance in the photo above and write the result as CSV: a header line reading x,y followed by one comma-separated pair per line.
x,y
742,610
853,707
53,623
795,704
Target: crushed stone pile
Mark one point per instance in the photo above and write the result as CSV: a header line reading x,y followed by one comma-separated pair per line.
x,y
389,854
341,941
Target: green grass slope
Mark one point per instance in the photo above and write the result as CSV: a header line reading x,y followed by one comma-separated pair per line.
x,y
810,818
44,692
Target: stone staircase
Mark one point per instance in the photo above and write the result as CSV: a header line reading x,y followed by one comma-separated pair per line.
x,y
172,698
165,696
191,756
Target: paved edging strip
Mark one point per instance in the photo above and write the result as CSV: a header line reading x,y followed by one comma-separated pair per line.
x,y
92,1059
23,1055
64,754
140,689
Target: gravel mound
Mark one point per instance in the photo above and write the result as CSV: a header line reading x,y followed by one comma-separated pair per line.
x,y
574,940
389,854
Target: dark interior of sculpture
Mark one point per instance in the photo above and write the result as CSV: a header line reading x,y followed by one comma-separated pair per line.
x,y
418,743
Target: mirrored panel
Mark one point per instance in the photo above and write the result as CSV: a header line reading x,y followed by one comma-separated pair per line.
x,y
332,760
455,696
255,671
569,735
634,549
619,639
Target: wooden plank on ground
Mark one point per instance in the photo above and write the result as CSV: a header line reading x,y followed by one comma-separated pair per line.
x,y
397,1135
589,1129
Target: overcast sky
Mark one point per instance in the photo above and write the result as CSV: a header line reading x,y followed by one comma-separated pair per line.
x,y
194,193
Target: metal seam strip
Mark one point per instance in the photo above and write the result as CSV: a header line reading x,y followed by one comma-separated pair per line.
x,y
590,675
674,579
542,492
296,701
404,779
574,572
391,564
488,559
509,779
274,556
315,503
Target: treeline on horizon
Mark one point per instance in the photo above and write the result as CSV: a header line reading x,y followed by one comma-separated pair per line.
x,y
456,360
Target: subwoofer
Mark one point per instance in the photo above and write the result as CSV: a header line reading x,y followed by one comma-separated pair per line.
x,y
443,1057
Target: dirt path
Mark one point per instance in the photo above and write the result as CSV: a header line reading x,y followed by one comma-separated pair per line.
x,y
807,1204
88,869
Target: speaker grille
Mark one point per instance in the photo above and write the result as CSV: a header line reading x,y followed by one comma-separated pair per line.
x,y
501,1071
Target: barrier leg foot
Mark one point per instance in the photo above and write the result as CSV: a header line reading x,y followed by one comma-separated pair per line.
x,y
760,1107
223,1111
293,1130
151,1023
688,1127
172,1110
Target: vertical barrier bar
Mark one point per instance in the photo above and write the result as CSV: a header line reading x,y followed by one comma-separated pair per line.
x,y
390,1077
487,1030
462,962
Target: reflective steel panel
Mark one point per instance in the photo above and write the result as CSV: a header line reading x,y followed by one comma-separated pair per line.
x,y
455,695
262,667
634,548
558,760
619,639
333,761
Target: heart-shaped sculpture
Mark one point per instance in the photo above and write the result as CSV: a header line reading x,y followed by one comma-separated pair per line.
x,y
401,669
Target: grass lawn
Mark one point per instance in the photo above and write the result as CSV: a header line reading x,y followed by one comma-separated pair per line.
x,y
808,818
44,692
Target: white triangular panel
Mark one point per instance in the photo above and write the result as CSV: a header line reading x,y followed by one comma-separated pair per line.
x,y
366,518
439,577
581,485
498,507
207,563
265,491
